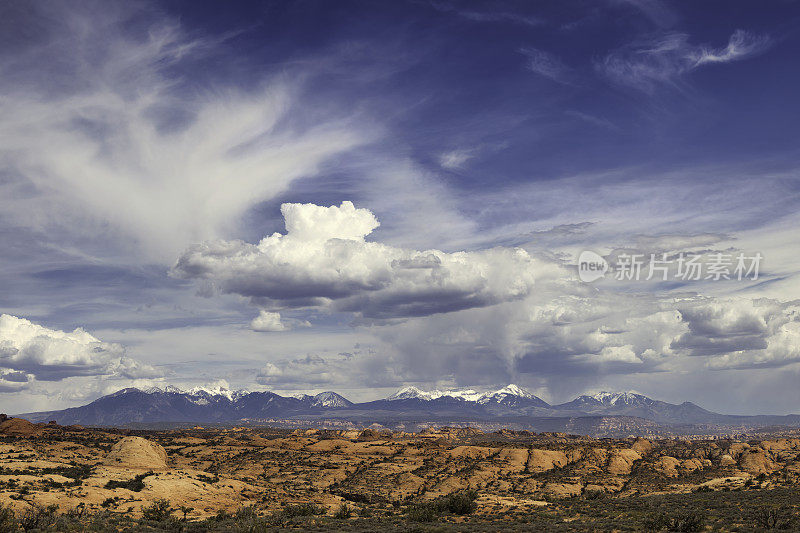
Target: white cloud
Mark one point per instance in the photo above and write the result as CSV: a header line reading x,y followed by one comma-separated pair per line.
x,y
666,58
741,44
324,261
13,380
126,152
546,64
486,316
266,321
51,355
455,159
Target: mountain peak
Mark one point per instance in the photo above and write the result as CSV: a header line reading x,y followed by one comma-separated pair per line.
x,y
409,392
330,399
513,390
470,395
210,391
619,398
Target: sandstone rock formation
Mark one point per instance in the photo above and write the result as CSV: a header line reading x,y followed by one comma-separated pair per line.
x,y
137,453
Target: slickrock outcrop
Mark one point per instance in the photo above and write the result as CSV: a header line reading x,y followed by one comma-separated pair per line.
x,y
19,427
543,460
621,461
137,453
667,466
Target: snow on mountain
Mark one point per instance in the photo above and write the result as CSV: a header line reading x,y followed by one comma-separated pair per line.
x,y
507,392
201,395
412,392
231,395
621,398
330,399
469,395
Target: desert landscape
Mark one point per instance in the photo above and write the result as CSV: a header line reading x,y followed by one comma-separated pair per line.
x,y
399,266
62,478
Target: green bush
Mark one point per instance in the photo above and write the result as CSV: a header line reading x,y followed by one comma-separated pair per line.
x,y
422,513
7,521
302,509
683,523
38,517
158,511
343,512
459,503
772,517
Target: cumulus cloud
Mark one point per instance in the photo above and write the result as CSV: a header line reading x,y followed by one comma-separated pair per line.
x,y
742,333
666,58
480,317
13,380
29,351
266,321
324,261
553,340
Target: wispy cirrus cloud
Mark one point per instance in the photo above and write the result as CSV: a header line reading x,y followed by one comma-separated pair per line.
x,y
657,11
547,65
102,133
455,159
742,44
488,15
664,60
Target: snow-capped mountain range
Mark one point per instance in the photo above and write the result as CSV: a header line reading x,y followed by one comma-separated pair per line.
x,y
409,405
466,394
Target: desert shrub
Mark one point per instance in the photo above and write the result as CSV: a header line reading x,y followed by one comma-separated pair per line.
x,y
343,512
7,521
682,523
38,517
594,494
77,512
773,517
460,503
688,522
246,512
246,520
422,513
302,509
136,484
221,515
158,511
185,509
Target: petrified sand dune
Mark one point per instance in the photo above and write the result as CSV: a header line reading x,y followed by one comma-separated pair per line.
x,y
755,461
667,466
543,460
224,469
136,452
621,461
19,427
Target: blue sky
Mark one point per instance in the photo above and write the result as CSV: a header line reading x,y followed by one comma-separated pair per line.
x,y
147,148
